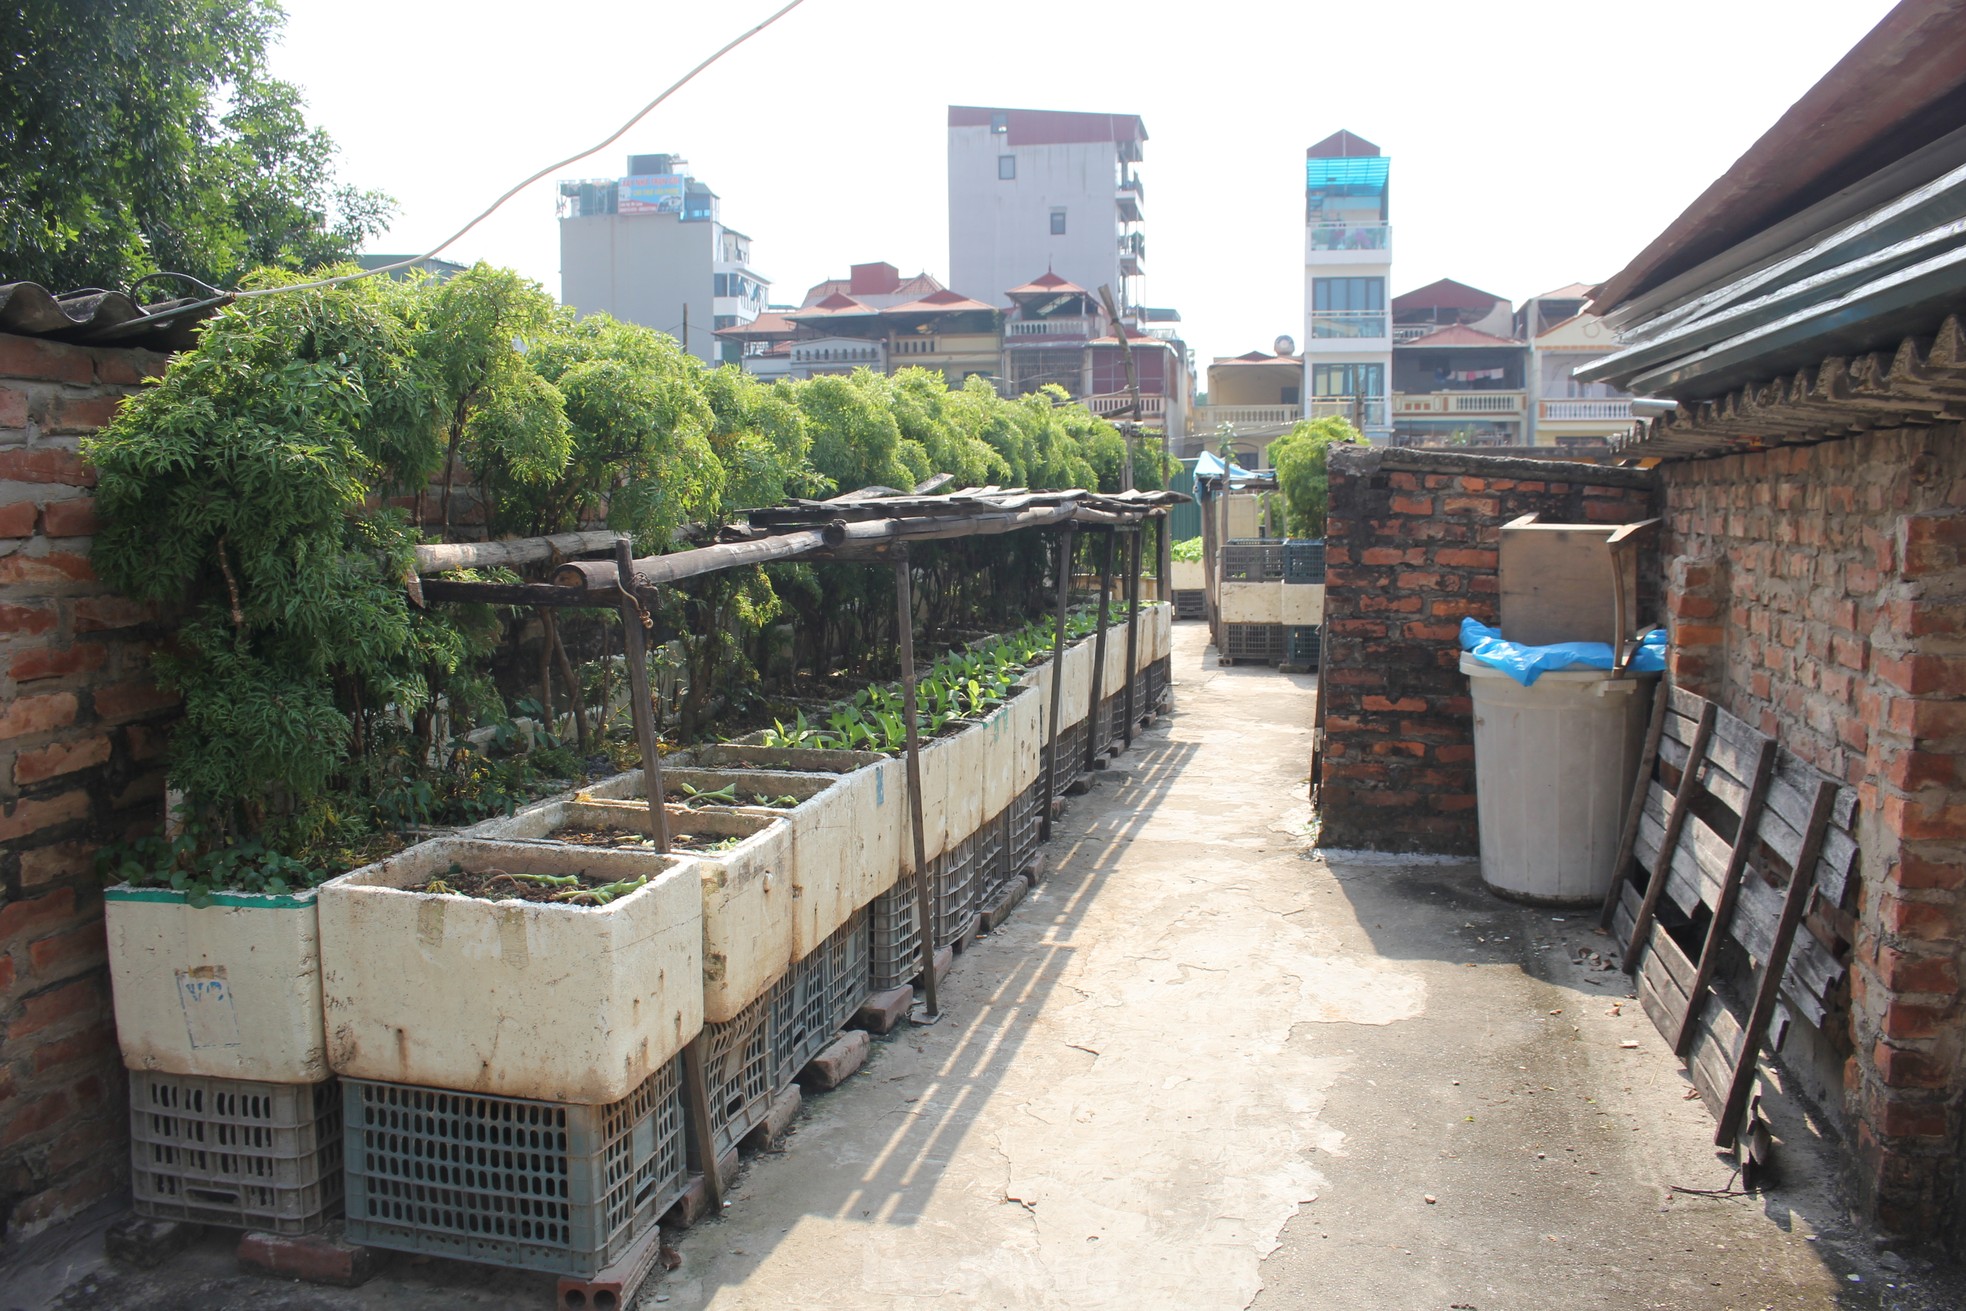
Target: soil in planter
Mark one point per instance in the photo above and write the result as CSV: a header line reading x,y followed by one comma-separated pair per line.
x,y
730,797
611,835
497,885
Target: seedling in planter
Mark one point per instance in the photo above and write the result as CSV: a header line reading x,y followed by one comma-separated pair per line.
x,y
695,799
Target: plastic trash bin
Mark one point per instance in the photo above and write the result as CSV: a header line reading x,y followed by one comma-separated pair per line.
x,y
1555,763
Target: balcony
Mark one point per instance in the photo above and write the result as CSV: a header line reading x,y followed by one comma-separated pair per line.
x,y
1129,196
1348,325
1050,330
913,346
1405,332
1133,249
1592,411
1243,418
1152,408
1376,237
1458,404
1361,411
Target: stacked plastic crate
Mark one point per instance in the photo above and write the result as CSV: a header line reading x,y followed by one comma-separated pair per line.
x,y
1303,604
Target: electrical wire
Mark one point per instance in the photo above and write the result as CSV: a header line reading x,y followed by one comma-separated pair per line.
x,y
554,167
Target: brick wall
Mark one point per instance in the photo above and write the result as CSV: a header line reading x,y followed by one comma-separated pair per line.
x,y
1820,592
1410,549
80,762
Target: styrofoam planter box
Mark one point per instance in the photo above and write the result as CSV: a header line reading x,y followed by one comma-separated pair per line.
x,y
553,1002
1252,603
1075,675
1303,604
1187,575
230,991
1163,631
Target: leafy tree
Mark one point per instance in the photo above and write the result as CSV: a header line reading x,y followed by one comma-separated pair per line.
x,y
1299,459
142,135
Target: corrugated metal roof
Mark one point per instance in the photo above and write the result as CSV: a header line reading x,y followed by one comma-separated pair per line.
x,y
93,317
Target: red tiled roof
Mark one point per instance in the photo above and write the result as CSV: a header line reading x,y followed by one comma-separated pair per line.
x,y
765,325
1048,284
837,305
1342,145
940,302
1446,294
1457,335
1051,127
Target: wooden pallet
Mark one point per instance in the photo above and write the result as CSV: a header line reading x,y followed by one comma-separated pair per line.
x,y
1720,820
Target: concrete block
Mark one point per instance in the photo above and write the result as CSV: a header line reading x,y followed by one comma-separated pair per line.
x,y
1000,911
840,1061
945,959
777,1122
694,1204
882,1011
145,1243
1035,871
324,1258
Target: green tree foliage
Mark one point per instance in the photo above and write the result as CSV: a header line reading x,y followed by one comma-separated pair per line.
x,y
1299,459
142,135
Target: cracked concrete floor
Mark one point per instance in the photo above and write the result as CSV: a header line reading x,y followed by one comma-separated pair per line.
x,y
1203,1067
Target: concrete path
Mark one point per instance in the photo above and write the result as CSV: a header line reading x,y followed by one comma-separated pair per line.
x,y
1202,1068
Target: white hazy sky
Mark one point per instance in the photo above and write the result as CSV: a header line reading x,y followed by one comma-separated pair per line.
x,y
1534,142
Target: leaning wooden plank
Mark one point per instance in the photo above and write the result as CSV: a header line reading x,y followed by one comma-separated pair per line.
x,y
1814,973
1621,864
1689,704
1711,1051
1769,983
1626,914
1729,892
1699,867
443,556
1672,753
1662,968
1657,886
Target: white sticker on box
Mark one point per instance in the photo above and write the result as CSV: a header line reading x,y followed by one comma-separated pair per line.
x,y
209,1019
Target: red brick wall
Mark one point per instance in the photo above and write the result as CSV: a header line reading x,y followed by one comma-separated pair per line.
x,y
1410,549
80,761
1820,592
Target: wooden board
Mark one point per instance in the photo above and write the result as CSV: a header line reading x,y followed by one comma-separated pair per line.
x,y
1557,584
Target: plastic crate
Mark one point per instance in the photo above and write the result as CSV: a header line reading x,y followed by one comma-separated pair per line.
x,y
1190,603
234,1152
992,860
737,1067
894,938
540,1185
1301,645
1252,562
848,967
817,997
1071,753
1157,681
1303,562
1024,828
955,891
1252,642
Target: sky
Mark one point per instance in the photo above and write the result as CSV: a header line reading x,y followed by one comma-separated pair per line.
x,y
1533,144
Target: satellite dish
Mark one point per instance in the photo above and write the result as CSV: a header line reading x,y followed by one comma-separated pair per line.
x,y
1284,346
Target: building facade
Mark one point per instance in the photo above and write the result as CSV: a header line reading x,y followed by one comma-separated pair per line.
x,y
1042,189
1348,264
651,248
1562,338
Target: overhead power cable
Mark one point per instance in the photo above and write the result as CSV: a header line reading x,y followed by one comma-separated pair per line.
x,y
554,167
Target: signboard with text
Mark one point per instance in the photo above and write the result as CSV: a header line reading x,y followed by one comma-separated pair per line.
x,y
653,193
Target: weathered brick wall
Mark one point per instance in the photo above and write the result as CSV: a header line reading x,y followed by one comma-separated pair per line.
x,y
1410,549
1820,592
80,762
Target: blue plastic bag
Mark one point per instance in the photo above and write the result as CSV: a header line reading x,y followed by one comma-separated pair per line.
x,y
1525,664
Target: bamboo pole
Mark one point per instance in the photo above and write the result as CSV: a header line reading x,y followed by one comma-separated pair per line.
x,y
1057,681
635,646
1132,629
904,608
1093,744
443,556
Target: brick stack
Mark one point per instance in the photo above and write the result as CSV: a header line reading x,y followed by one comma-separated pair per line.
x,y
1410,549
80,762
1821,594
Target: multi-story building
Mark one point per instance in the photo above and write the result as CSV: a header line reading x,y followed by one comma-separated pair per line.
x,y
1036,189
650,248
1259,395
1348,264
1562,338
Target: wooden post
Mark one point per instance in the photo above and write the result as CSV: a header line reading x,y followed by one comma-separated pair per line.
x,y
1164,560
1769,986
1689,782
904,610
1132,630
1730,888
635,646
1057,680
1628,838
696,1104
1093,745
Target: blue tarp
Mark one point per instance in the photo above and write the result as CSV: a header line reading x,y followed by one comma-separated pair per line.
x,y
1527,663
1209,465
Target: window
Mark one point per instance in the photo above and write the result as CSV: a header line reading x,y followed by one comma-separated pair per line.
x,y
1006,167
1349,379
1057,222
1000,123
1357,294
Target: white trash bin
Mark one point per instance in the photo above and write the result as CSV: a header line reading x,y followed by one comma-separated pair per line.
x,y
1555,764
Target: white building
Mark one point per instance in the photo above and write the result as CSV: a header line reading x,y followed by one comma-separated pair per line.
x,y
1348,261
1033,189
651,249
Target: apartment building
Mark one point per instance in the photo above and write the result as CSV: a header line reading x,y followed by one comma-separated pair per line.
x,y
651,248
1563,338
1347,349
1034,189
